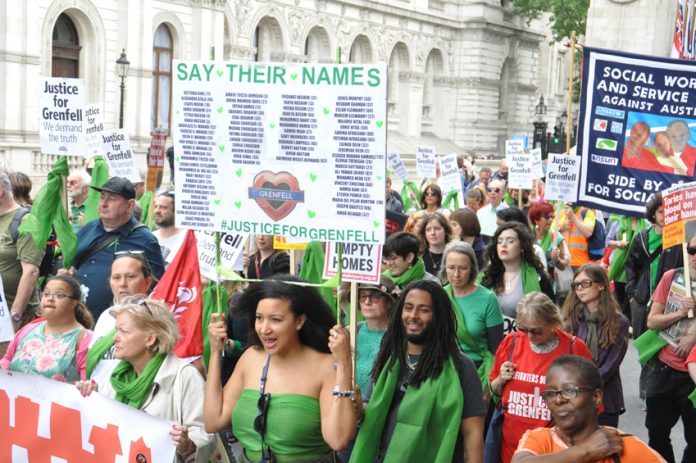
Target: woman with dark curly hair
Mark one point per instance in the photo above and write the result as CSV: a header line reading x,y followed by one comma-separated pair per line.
x,y
290,394
593,315
514,270
434,234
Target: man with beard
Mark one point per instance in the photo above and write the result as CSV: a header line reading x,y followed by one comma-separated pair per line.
x,y
78,188
169,237
424,402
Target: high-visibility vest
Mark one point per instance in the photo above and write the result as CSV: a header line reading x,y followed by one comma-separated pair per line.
x,y
577,244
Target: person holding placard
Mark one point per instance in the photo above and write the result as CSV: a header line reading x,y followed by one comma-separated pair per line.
x,y
55,347
401,253
514,270
435,232
465,226
290,396
266,261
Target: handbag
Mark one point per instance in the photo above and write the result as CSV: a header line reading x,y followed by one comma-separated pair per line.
x,y
494,436
564,278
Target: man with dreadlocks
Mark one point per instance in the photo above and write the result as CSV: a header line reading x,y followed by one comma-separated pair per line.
x,y
425,401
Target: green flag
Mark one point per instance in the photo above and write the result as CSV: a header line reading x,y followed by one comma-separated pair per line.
x,y
210,295
145,206
410,187
100,174
47,213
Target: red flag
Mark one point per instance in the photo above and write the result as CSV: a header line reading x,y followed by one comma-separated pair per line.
x,y
181,288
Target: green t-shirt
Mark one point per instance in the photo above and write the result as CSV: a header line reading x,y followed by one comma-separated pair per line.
x,y
480,310
12,255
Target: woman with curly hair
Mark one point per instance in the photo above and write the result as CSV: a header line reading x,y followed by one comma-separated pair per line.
x,y
593,315
514,270
434,234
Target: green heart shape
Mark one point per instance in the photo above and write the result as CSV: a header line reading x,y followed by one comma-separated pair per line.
x,y
220,109
293,76
221,148
379,177
220,73
217,202
177,159
379,124
272,125
375,223
177,111
238,172
326,111
238,204
312,176
311,214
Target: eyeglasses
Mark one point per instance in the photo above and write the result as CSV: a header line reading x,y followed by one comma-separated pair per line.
x,y
567,393
691,250
493,190
56,296
260,424
365,295
532,331
584,283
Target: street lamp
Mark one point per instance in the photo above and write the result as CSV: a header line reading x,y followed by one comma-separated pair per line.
x,y
540,127
122,70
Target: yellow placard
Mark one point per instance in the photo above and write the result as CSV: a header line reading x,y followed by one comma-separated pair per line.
x,y
279,242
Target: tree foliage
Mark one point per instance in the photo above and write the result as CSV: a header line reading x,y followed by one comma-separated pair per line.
x,y
566,15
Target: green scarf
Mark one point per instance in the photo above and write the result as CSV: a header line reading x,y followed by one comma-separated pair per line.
x,y
97,351
530,278
592,320
132,389
452,198
654,242
427,422
415,272
488,359
617,268
546,241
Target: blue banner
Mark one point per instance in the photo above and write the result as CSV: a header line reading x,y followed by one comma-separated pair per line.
x,y
636,133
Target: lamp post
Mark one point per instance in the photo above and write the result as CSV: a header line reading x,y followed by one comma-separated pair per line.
x,y
540,127
122,70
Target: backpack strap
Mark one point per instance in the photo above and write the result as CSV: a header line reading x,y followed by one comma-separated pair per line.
x,y
103,243
512,346
16,221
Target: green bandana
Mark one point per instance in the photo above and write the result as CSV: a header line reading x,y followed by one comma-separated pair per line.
x,y
546,241
132,389
97,351
416,272
427,423
530,278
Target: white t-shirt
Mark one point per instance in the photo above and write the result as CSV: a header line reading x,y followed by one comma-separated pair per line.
x,y
170,246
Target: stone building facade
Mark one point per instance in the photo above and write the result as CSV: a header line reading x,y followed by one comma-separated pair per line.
x,y
463,74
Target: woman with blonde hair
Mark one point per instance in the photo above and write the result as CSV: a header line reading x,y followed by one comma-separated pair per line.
x,y
592,314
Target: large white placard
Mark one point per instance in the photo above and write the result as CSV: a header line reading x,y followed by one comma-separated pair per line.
x,y
425,162
450,179
519,165
119,156
45,420
6,328
231,247
61,122
281,149
537,164
94,125
562,176
397,165
361,262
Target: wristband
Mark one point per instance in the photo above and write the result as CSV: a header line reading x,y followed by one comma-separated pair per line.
x,y
337,392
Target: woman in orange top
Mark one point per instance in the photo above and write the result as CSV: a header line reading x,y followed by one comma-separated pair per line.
x,y
573,395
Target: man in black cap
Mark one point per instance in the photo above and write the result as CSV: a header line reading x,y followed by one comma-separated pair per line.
x,y
116,231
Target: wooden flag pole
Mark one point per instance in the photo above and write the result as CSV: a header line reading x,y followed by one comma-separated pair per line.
x,y
569,109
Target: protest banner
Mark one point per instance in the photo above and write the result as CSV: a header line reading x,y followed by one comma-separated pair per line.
x,y
450,179
635,124
119,156
524,138
6,328
519,165
679,209
94,125
45,420
281,149
425,162
231,247
61,122
537,164
562,175
155,159
288,244
362,263
396,164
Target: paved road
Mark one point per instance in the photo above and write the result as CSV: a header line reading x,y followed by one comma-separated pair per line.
x,y
633,421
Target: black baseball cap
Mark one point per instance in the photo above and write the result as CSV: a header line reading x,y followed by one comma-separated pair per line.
x,y
118,185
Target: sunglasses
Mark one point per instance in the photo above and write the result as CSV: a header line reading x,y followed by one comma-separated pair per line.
x,y
494,190
532,331
691,250
584,283
260,424
567,393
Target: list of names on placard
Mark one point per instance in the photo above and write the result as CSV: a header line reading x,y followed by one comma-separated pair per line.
x,y
298,124
246,131
354,159
197,164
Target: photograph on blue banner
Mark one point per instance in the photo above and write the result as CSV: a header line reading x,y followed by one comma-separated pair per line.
x,y
636,129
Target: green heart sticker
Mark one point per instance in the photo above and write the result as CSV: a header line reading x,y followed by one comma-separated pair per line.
x,y
216,201
177,159
379,177
221,148
238,172
220,109
238,204
177,111
379,124
272,125
293,76
312,176
311,214
375,223
220,73
326,111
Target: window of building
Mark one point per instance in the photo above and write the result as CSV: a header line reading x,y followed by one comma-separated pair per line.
x,y
162,78
66,48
